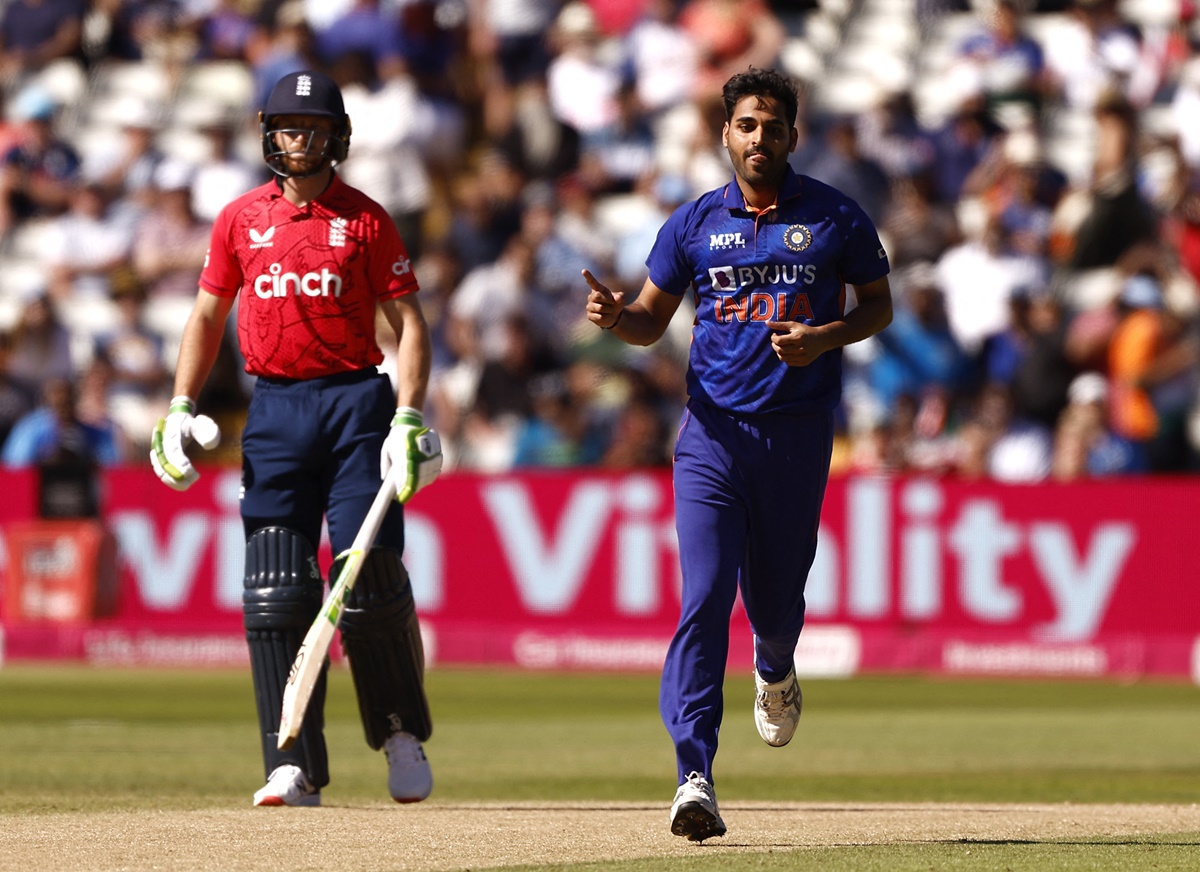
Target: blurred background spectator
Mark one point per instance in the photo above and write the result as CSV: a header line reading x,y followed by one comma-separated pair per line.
x,y
1034,168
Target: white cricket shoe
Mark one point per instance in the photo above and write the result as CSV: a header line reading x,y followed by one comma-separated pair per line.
x,y
694,812
409,777
288,785
777,709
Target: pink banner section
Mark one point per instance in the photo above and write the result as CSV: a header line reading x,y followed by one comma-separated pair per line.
x,y
580,570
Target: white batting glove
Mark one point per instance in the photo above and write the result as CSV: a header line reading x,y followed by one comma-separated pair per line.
x,y
414,449
172,434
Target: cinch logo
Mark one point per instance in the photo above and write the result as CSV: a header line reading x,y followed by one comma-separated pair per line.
x,y
729,278
262,240
761,306
303,86
402,267
337,232
726,240
277,283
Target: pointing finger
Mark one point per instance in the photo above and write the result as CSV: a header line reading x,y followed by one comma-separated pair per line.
x,y
595,284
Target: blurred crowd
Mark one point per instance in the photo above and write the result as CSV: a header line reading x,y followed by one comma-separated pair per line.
x,y
1046,320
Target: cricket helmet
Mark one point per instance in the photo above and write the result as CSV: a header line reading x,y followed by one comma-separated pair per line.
x,y
305,92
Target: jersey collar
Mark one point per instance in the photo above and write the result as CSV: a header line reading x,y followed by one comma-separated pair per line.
x,y
276,192
735,202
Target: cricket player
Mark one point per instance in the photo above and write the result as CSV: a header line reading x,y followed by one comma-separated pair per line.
x,y
767,258
308,259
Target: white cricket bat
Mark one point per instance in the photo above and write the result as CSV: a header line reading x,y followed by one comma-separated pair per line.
x,y
306,668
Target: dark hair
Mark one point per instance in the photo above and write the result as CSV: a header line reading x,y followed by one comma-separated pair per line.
x,y
762,83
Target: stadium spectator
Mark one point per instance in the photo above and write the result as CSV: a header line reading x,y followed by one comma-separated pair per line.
x,y
38,173
171,240
225,173
492,293
559,433
582,83
1008,63
41,344
486,210
616,155
506,39
16,398
1095,54
366,27
1010,447
731,36
914,227
126,170
660,58
1112,213
842,165
1084,445
283,44
977,277
88,250
917,351
53,432
35,32
959,144
391,125
890,134
538,143
223,29
1152,367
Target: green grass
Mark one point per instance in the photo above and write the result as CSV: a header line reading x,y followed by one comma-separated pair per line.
x,y
92,740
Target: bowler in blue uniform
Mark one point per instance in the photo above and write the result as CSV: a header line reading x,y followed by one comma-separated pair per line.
x,y
767,259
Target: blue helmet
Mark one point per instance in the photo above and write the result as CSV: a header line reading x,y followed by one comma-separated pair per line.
x,y
305,92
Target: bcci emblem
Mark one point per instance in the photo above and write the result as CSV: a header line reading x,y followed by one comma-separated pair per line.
x,y
797,237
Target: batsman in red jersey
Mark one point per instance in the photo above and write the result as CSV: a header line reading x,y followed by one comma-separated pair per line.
x,y
309,260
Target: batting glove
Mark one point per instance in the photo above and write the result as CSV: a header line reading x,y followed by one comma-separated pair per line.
x,y
414,449
172,434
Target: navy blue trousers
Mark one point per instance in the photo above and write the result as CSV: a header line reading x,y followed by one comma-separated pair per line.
x,y
748,493
310,448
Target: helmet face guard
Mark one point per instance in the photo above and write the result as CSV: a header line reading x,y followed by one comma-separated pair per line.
x,y
301,94
330,148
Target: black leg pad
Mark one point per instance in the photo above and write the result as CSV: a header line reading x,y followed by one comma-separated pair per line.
x,y
282,594
382,640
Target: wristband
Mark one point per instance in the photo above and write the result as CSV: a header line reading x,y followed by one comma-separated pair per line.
x,y
407,415
616,320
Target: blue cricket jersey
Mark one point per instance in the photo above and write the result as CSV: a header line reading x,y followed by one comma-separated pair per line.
x,y
790,263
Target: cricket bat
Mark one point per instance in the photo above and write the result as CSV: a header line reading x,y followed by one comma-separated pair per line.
x,y
306,668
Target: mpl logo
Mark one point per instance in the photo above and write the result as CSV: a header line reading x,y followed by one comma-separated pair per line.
x,y
725,241
277,283
262,240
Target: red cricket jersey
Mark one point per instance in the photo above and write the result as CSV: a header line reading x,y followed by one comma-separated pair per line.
x,y
309,278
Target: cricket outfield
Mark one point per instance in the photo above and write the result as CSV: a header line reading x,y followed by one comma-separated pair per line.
x,y
154,769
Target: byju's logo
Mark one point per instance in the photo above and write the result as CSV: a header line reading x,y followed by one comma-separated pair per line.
x,y
722,278
262,240
720,241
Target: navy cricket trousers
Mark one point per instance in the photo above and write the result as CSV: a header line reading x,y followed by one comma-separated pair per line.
x,y
748,493
311,448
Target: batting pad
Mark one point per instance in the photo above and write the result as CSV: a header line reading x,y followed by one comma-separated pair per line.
x,y
382,640
282,593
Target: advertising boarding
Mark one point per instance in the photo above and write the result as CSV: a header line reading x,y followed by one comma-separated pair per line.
x,y
572,570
